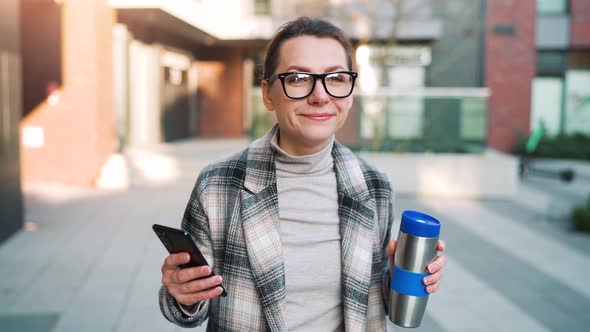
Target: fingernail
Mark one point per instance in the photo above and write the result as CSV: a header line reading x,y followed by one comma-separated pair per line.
x,y
430,268
207,270
219,290
218,279
429,289
425,281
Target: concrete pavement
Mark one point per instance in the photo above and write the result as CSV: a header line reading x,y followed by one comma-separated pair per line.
x,y
89,260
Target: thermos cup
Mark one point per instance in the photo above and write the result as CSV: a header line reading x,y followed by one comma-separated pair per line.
x,y
416,247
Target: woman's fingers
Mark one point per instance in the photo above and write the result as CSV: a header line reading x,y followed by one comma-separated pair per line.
x,y
200,285
188,274
172,262
437,264
391,248
189,285
435,268
432,288
193,291
192,298
441,245
433,278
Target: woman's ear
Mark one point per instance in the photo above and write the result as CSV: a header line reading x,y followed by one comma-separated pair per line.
x,y
266,96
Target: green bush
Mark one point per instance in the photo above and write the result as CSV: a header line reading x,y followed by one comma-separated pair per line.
x,y
560,147
581,217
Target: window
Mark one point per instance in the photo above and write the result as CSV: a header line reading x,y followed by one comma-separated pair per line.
x,y
261,7
577,112
551,62
579,59
546,104
552,7
473,118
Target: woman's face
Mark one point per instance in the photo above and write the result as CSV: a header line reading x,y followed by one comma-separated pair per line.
x,y
307,124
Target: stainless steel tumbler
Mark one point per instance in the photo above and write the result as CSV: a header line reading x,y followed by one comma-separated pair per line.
x,y
416,247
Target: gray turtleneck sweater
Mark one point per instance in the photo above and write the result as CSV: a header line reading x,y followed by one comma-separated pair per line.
x,y
310,232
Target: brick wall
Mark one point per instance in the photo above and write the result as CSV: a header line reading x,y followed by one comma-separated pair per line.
x,y
510,55
79,128
348,134
220,95
580,23
40,34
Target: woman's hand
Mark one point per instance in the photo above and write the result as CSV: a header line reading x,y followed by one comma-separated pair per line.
x,y
182,285
435,267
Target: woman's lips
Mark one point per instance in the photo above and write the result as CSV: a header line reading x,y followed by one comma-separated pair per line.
x,y
319,116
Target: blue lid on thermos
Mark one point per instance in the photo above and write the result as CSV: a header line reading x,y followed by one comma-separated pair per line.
x,y
419,224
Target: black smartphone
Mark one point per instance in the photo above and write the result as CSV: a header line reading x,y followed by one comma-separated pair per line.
x,y
176,241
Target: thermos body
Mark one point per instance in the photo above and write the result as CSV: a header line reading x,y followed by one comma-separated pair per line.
x,y
416,247
414,253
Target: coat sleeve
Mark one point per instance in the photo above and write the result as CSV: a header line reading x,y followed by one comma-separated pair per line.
x,y
386,279
196,222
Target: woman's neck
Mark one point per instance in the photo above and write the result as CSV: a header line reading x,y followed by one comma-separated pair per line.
x,y
301,149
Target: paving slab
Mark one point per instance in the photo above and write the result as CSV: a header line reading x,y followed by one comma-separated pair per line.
x,y
92,263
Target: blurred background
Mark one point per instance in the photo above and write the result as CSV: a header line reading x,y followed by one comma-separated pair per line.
x,y
109,109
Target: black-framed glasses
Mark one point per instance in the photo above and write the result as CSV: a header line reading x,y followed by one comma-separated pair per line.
x,y
299,85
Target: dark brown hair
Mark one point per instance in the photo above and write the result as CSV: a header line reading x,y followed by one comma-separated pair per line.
x,y
303,26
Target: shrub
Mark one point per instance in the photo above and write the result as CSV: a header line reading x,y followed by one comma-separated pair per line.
x,y
575,146
581,217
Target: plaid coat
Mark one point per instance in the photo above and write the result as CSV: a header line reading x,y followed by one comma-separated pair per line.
x,y
233,217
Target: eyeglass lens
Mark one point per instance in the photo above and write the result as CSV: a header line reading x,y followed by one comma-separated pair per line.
x,y
299,85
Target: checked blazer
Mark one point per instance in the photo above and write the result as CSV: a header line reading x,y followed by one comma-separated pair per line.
x,y
233,217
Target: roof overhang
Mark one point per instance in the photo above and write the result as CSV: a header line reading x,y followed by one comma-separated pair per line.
x,y
159,20
193,17
195,21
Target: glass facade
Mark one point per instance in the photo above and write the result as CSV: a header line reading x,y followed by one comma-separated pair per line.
x,y
262,7
551,62
552,7
577,102
546,104
423,123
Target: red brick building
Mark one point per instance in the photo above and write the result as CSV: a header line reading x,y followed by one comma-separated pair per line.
x,y
109,77
509,69
537,68
67,131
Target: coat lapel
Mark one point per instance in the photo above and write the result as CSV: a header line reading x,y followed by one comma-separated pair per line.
x,y
356,209
261,224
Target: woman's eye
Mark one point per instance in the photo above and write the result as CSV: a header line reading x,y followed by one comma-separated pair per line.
x,y
297,79
335,78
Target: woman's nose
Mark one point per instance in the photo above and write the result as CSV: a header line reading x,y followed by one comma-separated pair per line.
x,y
319,94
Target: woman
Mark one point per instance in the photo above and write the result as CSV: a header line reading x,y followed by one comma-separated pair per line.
x,y
296,226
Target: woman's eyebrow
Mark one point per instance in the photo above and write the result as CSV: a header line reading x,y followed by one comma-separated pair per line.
x,y
333,68
299,68
308,70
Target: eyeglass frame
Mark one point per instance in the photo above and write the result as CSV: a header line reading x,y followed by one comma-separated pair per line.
x,y
322,77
